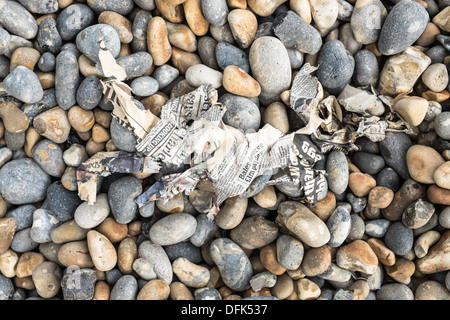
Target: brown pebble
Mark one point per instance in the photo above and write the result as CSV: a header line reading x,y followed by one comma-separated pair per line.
x,y
75,253
307,290
113,230
316,261
52,124
438,195
179,291
237,4
361,183
154,290
102,117
93,147
195,18
126,254
436,96
26,283
121,24
170,10
181,36
284,287
243,25
47,279
267,197
24,56
80,119
158,42
100,134
8,262
27,262
101,290
183,60
380,197
14,120
237,81
276,115
231,213
46,79
88,67
438,257
8,228
431,290
264,8
428,36
422,162
360,289
357,256
67,232
325,207
102,251
401,271
385,255
155,102
268,256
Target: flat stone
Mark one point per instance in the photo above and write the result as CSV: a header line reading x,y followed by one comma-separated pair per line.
x,y
254,232
173,228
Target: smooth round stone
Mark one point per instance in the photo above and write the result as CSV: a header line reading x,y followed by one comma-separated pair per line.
x,y
444,218
227,54
8,262
357,229
14,141
241,112
23,84
191,274
154,290
144,269
139,30
68,231
442,125
348,39
74,18
268,258
165,75
357,256
237,81
22,241
422,162
412,109
121,195
201,74
67,79
394,291
380,197
431,290
61,202
417,214
290,252
403,25
23,181
393,149
206,46
399,238
388,178
269,60
23,215
121,7
15,18
184,249
205,230
233,264
367,20
207,293
48,36
254,232
173,229
436,54
243,25
339,225
303,223
136,64
89,93
43,223
75,253
435,77
316,261
338,172
366,68
336,66
295,33
126,288
231,213
88,41
368,163
53,124
122,138
75,155
78,284
377,228
157,41
158,258
215,12
47,278
89,216
49,156
101,250
144,86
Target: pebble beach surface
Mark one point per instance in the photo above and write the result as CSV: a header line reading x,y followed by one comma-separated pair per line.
x,y
379,230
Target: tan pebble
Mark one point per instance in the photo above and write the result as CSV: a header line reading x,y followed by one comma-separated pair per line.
x,y
224,291
380,197
155,102
325,207
67,232
285,97
101,290
179,291
64,3
100,134
215,280
103,117
135,228
233,297
8,262
110,146
422,162
324,12
257,265
436,96
296,274
431,290
237,81
46,79
121,24
267,197
93,147
75,253
8,228
181,36
307,290
361,183
14,120
47,279
437,258
158,42
113,230
284,287
191,274
231,213
183,60
264,8
357,256
27,262
102,251
438,195
360,289
154,290
442,19
276,115
385,255
442,175
174,205
237,4
412,109
268,255
316,261
24,283
52,124
428,36
80,119
195,18
88,67
243,25
3,207
24,56
424,242
302,8
172,12
126,254
401,271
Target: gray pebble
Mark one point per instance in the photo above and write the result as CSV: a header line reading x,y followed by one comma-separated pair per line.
x,y
5,39
47,62
388,178
295,33
122,7
417,214
206,47
338,172
136,64
233,264
348,39
14,141
399,238
61,202
43,223
342,294
74,18
444,40
241,113
123,138
78,284
222,33
184,249
144,86
339,225
89,39
227,54
15,18
404,24
357,229
358,203
139,30
6,288
205,230
254,232
367,19
75,155
264,29
442,125
173,228
366,68
336,66
165,75
67,79
48,36
393,149
121,196
23,181
113,275
126,288
437,53
157,257
377,228
367,162
290,252
215,11
144,269
207,293
265,279
41,7
23,84
147,209
22,241
23,215
49,156
89,93
395,291
145,4
256,186
296,58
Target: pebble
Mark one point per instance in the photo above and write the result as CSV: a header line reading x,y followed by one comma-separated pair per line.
x,y
158,258
393,149
384,254
338,172
242,113
254,232
232,213
205,230
431,290
61,202
436,260
121,194
411,109
49,156
23,84
377,228
227,54
399,238
435,77
47,278
53,124
67,232
67,79
441,125
154,290
366,68
126,288
75,253
424,242
89,216
144,269
207,293
368,163
394,291
172,229
158,42
201,74
444,218
18,20
22,241
237,81
190,274
8,227
367,20
43,223
422,168
101,250
339,225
